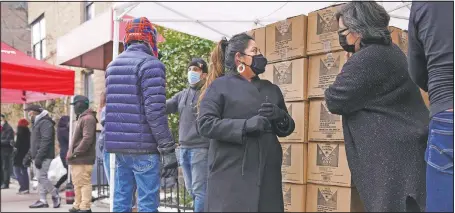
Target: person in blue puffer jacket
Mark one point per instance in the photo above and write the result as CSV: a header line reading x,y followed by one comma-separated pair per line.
x,y
136,124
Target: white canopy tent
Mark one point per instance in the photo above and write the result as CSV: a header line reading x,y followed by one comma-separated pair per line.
x,y
214,20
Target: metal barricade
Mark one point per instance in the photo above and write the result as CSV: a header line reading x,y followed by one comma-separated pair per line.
x,y
176,197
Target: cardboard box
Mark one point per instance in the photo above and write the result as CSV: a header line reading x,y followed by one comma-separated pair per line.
x,y
294,166
323,31
332,199
327,164
259,37
286,39
291,77
323,125
322,72
400,38
299,112
294,197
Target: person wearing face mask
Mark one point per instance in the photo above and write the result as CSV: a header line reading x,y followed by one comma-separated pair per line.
x,y
7,140
82,154
136,126
42,151
385,121
193,148
242,115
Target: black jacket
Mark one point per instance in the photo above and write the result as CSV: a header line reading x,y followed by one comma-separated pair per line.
x,y
7,136
430,52
22,145
244,170
43,139
63,132
385,126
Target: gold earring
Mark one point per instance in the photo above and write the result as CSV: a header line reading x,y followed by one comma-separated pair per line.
x,y
241,68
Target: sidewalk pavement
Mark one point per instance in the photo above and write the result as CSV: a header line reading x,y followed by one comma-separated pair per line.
x,y
11,202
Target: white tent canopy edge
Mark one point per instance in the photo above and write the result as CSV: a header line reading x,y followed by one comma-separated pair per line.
x,y
202,19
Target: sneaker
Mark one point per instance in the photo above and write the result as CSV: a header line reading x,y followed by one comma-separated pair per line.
x,y
72,210
57,201
85,210
23,192
39,204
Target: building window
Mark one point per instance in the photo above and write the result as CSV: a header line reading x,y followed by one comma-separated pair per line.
x,y
89,87
39,38
89,10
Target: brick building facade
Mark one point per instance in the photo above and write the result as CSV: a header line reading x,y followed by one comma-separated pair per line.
x,y
54,20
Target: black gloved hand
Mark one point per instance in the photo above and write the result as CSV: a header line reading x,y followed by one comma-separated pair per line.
x,y
169,163
38,164
271,111
256,124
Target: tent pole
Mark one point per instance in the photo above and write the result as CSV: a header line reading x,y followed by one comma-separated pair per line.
x,y
71,134
115,50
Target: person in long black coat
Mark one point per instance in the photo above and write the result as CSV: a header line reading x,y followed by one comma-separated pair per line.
x,y
243,115
63,131
22,146
385,120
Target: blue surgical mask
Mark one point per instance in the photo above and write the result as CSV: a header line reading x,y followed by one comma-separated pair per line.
x,y
194,77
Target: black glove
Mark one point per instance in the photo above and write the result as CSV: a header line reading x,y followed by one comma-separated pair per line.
x,y
257,124
271,111
38,164
168,162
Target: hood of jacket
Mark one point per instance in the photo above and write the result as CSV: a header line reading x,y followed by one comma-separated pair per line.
x,y
63,122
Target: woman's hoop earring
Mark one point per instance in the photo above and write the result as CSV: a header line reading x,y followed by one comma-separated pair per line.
x,y
241,68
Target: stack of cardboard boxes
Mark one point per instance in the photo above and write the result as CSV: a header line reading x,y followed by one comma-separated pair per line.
x,y
285,48
304,59
330,188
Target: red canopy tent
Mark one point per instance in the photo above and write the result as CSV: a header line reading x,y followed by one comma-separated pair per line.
x,y
25,79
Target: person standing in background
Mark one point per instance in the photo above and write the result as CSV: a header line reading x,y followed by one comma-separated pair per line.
x,y
430,58
63,131
7,140
42,151
23,146
102,148
193,148
82,154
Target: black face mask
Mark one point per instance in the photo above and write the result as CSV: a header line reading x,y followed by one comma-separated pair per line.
x,y
80,107
350,48
258,63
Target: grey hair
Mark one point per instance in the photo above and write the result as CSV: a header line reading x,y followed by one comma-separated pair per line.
x,y
369,19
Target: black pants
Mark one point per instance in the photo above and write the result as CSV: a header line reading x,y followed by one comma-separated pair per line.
x,y
6,159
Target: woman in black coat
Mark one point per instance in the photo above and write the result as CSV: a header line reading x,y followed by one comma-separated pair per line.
x,y
242,115
63,132
385,120
22,146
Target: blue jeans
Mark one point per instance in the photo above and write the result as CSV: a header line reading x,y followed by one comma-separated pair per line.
x,y
195,169
22,177
106,165
140,170
439,158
